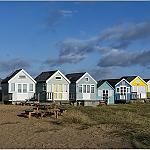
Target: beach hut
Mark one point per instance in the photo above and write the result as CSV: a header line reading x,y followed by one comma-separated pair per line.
x,y
105,92
52,86
122,91
83,88
17,87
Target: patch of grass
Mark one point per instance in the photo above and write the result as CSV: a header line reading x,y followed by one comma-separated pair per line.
x,y
132,121
77,117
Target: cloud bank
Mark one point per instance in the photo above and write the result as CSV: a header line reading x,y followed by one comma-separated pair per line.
x,y
13,64
111,45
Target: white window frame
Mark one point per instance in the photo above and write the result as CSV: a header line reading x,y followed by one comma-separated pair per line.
x,y
24,89
84,85
20,77
13,87
87,88
80,86
30,87
19,88
60,88
92,86
59,77
87,79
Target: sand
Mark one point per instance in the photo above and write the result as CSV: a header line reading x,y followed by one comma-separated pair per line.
x,y
19,132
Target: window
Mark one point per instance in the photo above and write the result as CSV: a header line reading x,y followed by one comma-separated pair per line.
x,y
105,95
123,82
138,81
22,76
58,78
56,87
44,87
30,87
55,95
60,96
53,87
121,91
117,90
19,88
88,88
65,88
92,88
84,88
80,88
86,79
59,87
12,87
128,90
24,88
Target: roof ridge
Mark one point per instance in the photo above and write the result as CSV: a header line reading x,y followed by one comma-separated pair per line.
x,y
76,73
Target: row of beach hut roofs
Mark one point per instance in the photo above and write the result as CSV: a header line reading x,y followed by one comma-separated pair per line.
x,y
77,88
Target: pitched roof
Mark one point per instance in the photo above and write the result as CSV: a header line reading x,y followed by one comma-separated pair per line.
x,y
128,78
112,82
10,76
44,76
100,82
146,80
73,77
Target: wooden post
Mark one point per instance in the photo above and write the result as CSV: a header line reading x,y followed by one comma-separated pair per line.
x,y
38,97
55,113
29,116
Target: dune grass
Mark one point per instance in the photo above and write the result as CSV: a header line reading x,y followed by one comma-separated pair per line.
x,y
132,120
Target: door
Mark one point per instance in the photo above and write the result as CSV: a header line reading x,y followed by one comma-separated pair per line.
x,y
142,91
123,92
105,96
86,92
65,94
57,91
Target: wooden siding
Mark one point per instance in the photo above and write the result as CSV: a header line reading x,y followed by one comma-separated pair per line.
x,y
106,86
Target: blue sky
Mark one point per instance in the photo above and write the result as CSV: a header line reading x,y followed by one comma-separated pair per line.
x,y
106,39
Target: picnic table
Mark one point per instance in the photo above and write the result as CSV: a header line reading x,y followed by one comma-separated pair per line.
x,y
42,111
29,112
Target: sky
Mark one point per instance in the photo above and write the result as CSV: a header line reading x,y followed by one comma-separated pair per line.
x,y
105,39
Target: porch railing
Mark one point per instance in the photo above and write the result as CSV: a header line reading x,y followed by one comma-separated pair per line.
x,y
49,96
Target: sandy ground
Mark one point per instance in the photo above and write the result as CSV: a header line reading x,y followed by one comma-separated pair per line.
x,y
19,132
